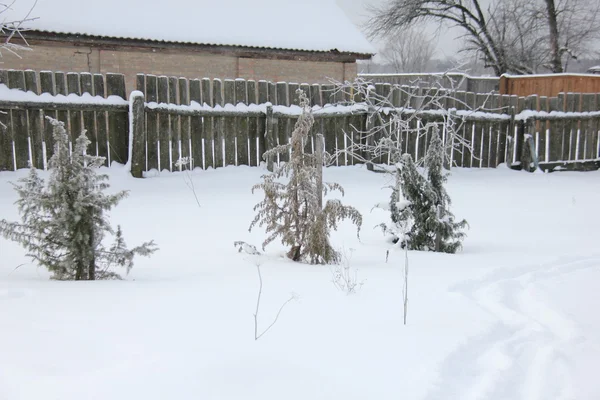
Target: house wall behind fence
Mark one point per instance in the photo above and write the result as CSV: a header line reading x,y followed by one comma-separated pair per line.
x,y
131,61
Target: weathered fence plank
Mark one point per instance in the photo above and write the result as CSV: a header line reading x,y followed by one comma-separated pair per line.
x,y
152,125
174,124
89,117
164,125
47,86
18,123
208,126
75,117
242,149
36,126
196,132
218,126
6,143
117,121
231,124
102,145
184,122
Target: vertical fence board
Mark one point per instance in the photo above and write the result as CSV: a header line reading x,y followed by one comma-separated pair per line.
x,y
47,86
231,123
61,89
315,95
272,93
118,122
36,126
75,119
174,122
6,156
196,126
184,121
164,134
588,103
241,96
253,126
292,95
89,117
571,149
251,88
18,121
541,127
218,125
261,123
556,132
140,83
152,127
208,125
282,94
101,120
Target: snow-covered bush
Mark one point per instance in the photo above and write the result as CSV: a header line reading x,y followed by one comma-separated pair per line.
x,y
292,211
63,223
419,205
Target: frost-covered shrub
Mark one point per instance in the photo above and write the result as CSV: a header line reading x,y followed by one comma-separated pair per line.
x,y
419,205
63,223
292,211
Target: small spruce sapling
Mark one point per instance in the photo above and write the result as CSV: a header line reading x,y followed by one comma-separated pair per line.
x,y
63,223
449,233
432,225
292,211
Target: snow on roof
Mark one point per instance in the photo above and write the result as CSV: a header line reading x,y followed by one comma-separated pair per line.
x,y
594,70
310,25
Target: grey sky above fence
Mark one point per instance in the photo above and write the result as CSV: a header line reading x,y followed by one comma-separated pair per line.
x,y
447,44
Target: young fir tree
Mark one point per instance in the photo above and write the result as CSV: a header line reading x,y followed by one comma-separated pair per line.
x,y
64,223
448,233
423,221
292,211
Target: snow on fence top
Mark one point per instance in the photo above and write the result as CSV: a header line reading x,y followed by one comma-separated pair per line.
x,y
310,25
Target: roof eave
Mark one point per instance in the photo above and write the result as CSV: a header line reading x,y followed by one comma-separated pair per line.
x,y
249,51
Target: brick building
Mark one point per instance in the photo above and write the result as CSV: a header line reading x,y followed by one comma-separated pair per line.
x,y
276,40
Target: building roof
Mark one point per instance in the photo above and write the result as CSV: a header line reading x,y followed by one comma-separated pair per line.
x,y
307,25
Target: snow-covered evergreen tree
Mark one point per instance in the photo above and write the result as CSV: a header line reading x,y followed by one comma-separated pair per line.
x,y
292,211
64,223
448,233
419,205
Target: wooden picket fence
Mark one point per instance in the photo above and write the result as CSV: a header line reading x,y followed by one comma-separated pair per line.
x,y
219,123
26,135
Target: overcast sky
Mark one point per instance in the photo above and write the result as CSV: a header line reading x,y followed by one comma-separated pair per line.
x,y
447,44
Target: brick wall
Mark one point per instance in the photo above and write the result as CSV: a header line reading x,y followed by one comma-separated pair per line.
x,y
72,58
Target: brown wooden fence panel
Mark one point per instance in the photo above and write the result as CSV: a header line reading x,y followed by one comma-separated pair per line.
x,y
6,142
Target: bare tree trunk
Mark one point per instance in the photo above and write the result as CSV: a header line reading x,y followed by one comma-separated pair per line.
x,y
555,61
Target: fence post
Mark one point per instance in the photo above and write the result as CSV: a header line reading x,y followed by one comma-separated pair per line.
x,y
269,135
137,135
527,152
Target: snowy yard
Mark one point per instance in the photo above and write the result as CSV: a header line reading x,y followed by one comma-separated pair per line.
x,y
512,316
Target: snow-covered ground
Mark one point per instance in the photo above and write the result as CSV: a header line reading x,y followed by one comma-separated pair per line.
x,y
513,316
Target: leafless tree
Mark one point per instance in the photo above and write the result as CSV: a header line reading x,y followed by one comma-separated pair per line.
x,y
388,124
11,27
408,51
514,36
573,26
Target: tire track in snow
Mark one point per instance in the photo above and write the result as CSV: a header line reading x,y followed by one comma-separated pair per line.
x,y
524,354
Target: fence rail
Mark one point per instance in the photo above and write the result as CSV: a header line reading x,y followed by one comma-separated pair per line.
x,y
219,123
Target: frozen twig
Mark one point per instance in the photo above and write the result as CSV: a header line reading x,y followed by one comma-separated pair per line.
x,y
260,287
